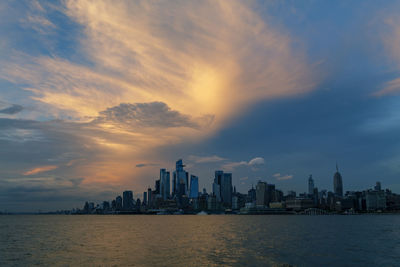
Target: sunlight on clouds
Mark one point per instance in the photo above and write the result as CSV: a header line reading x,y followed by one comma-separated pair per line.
x,y
205,61
40,169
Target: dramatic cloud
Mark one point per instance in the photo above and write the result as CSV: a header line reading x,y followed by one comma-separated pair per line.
x,y
112,83
280,177
154,114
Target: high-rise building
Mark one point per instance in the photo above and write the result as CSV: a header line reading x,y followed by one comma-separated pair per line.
x,y
127,201
157,188
378,186
164,184
251,195
149,197
180,177
310,185
194,186
118,203
144,198
337,183
226,190
261,193
222,188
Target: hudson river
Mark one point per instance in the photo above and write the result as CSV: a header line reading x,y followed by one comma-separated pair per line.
x,y
220,240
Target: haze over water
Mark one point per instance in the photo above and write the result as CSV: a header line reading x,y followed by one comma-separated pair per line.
x,y
221,240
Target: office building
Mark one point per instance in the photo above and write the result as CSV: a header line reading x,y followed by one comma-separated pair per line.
x,y
180,180
118,203
194,187
310,185
127,200
337,183
164,184
261,194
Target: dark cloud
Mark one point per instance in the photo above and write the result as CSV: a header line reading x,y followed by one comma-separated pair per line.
x,y
12,110
152,114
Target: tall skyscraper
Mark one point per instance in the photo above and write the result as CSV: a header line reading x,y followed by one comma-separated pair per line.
x,y
127,200
337,183
194,186
180,180
226,190
149,197
310,185
164,184
144,198
222,188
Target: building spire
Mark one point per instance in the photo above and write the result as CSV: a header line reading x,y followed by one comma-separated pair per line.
x,y
337,168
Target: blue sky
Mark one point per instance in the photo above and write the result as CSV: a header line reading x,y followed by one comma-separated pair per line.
x,y
95,97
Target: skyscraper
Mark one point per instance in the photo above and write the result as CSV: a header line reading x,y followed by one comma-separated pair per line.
x,y
337,183
222,188
118,203
194,186
310,185
226,190
261,193
127,201
164,183
180,180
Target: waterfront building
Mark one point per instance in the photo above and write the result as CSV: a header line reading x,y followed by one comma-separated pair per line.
x,y
164,184
118,203
310,185
127,200
222,188
194,187
299,203
144,202
149,197
375,200
251,195
337,183
261,194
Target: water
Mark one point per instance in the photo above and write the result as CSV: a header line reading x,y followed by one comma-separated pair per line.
x,y
221,240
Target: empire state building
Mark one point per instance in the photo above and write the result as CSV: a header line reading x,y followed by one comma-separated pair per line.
x,y
337,183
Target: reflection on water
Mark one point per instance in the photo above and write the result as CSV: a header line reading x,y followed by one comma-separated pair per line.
x,y
136,240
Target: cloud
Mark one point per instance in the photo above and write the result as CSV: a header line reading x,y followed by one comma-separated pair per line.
x,y
205,159
141,165
11,110
280,177
253,163
40,169
154,114
391,42
189,55
135,77
256,161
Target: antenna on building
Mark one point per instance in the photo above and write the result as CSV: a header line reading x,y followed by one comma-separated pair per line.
x,y
337,168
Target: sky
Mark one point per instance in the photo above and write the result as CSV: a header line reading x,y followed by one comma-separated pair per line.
x,y
97,96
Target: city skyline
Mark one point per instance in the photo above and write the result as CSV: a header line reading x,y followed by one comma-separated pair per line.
x,y
96,97
264,198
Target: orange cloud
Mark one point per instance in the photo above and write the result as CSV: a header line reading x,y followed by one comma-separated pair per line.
x,y
207,61
40,169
